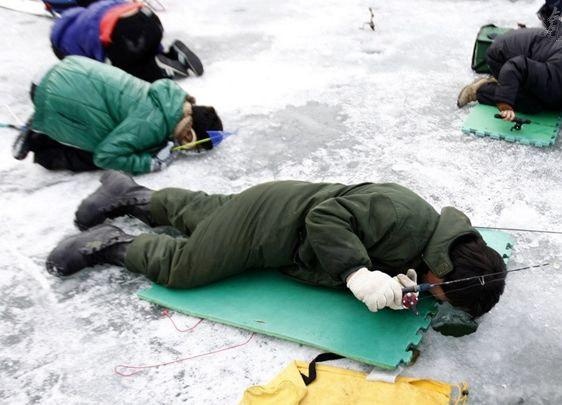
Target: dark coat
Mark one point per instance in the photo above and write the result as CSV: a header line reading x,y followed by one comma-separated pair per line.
x,y
530,61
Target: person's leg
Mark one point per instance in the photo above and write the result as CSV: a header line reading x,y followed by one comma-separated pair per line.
x,y
525,102
55,156
469,93
208,255
184,209
120,195
486,94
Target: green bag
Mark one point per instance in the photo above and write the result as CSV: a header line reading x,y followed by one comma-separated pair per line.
x,y
485,37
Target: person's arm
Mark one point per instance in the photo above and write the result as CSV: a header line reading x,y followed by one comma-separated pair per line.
x,y
128,147
341,229
514,74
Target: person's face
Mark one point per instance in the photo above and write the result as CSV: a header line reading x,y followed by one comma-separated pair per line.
x,y
437,292
186,137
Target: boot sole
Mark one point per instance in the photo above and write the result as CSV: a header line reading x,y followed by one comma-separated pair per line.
x,y
188,58
175,71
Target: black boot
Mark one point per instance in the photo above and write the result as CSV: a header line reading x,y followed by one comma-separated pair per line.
x,y
22,144
99,245
118,195
186,57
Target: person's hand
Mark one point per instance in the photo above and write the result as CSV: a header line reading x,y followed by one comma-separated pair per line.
x,y
163,158
375,289
506,111
508,115
410,279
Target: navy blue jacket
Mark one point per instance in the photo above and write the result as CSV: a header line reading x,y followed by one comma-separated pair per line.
x,y
77,32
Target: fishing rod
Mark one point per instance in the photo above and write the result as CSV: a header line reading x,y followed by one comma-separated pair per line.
x,y
215,137
190,145
410,299
427,286
12,126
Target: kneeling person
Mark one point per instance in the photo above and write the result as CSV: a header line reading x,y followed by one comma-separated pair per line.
x,y
128,34
526,65
90,116
363,236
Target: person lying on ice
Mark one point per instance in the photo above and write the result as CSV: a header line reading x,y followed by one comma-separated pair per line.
x,y
526,65
128,35
361,236
89,115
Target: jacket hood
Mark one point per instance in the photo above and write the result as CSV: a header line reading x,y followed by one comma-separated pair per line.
x,y
169,98
452,225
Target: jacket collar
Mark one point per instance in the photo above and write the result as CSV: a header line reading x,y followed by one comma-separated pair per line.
x,y
452,225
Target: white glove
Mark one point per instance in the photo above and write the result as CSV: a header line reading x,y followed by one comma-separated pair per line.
x,y
409,279
163,158
375,289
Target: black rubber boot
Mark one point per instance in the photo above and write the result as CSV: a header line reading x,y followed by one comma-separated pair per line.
x,y
99,245
118,195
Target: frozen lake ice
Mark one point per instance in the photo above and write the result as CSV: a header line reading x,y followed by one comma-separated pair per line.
x,y
313,97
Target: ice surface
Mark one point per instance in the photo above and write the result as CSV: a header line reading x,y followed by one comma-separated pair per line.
x,y
313,97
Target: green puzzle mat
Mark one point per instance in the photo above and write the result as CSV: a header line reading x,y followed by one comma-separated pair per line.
x,y
541,132
331,320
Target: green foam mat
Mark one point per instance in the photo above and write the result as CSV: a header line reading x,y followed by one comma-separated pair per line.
x,y
331,320
542,131
502,242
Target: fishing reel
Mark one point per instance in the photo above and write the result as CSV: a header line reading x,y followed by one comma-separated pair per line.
x,y
410,301
518,122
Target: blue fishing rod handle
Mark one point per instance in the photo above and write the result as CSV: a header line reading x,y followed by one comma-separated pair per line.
x,y
416,288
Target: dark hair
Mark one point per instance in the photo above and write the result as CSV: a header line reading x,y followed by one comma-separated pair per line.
x,y
472,257
205,119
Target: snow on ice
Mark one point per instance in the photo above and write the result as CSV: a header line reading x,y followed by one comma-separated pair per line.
x,y
313,97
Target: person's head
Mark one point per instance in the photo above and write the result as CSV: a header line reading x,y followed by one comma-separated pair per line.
x,y
205,119
472,257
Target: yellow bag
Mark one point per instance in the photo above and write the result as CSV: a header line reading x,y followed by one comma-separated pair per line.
x,y
339,386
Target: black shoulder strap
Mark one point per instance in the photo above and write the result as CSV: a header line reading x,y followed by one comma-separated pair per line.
x,y
312,366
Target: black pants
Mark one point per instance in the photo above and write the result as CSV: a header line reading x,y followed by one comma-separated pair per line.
x,y
525,102
135,43
53,155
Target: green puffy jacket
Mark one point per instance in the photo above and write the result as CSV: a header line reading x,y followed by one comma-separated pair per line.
x,y
96,107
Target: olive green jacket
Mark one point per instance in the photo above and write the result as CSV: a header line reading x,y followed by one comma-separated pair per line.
x,y
317,233
101,109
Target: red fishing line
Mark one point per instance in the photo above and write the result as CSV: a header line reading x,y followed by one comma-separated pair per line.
x,y
138,369
166,313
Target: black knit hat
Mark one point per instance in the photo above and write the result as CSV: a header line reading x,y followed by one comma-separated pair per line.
x,y
205,119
